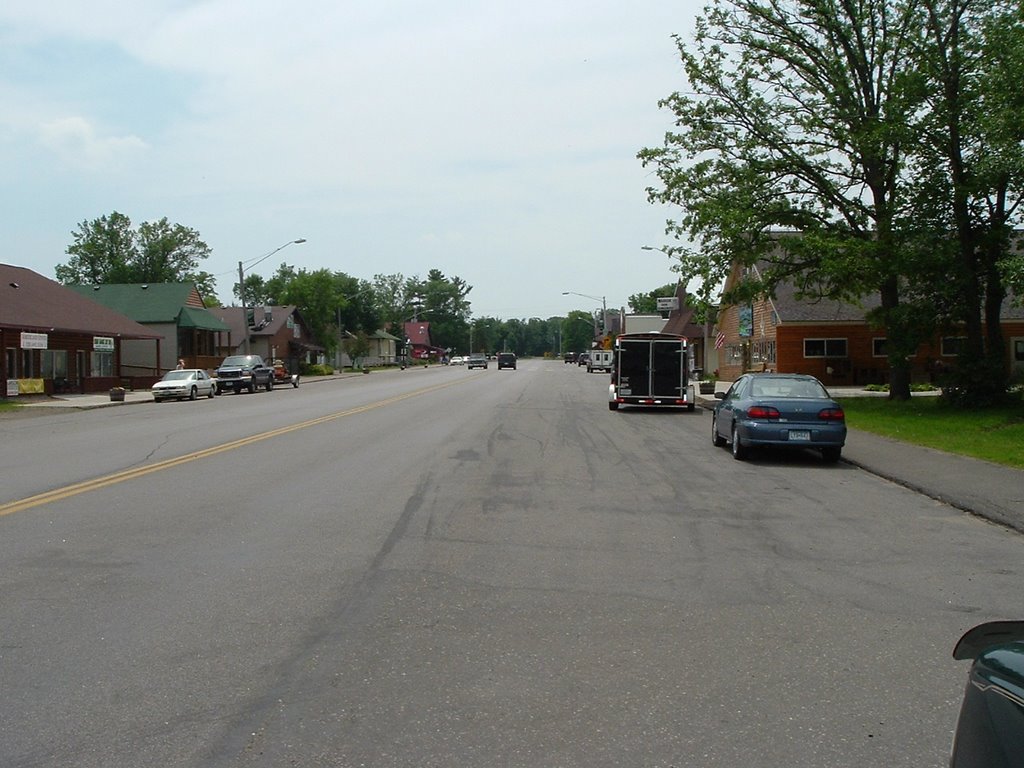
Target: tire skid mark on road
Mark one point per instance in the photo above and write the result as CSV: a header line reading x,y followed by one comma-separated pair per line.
x,y
68,491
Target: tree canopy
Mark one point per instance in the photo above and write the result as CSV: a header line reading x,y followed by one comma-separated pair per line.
x,y
809,117
108,250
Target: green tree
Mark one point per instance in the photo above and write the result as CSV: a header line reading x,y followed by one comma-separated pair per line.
x,y
392,301
647,303
797,123
486,332
578,331
314,294
101,252
442,302
108,250
970,175
357,347
170,253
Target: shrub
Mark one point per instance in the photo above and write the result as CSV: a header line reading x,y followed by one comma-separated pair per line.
x,y
311,369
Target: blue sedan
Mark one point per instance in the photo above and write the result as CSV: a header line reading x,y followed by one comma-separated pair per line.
x,y
782,409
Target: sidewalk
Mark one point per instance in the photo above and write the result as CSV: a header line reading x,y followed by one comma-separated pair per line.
x,y
102,399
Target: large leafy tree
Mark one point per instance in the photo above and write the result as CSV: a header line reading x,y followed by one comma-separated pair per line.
x,y
578,331
970,175
315,295
647,303
108,250
798,119
443,302
330,302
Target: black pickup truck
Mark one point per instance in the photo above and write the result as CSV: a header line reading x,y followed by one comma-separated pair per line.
x,y
240,372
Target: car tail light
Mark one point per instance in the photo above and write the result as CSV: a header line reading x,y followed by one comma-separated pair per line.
x,y
832,414
763,412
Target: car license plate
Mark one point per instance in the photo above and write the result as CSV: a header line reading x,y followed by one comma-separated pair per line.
x,y
799,434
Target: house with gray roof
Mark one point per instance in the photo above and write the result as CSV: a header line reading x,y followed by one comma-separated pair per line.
x,y
274,333
832,339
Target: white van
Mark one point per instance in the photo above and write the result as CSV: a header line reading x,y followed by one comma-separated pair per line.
x,y
600,360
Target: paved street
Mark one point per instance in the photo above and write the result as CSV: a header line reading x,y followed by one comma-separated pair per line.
x,y
450,567
993,492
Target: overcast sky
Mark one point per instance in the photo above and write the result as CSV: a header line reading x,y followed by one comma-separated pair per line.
x,y
495,141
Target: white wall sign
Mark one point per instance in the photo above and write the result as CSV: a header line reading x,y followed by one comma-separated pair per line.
x,y
667,303
34,340
103,343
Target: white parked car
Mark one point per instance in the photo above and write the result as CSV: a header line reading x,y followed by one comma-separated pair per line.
x,y
182,383
457,360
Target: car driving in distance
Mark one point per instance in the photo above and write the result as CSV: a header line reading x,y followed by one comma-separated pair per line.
x,y
506,360
476,360
184,383
785,410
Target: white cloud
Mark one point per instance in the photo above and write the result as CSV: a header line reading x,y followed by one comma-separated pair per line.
x,y
76,142
496,141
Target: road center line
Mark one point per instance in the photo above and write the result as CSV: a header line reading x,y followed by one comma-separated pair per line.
x,y
68,491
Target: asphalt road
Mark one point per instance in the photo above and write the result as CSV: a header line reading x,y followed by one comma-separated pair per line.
x,y
445,567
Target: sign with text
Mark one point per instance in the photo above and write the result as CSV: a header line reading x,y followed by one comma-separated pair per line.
x,y
34,340
103,343
667,303
12,387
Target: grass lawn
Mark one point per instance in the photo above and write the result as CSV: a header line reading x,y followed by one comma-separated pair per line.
x,y
995,435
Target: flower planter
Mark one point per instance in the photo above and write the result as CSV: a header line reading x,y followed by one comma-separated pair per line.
x,y
707,387
117,395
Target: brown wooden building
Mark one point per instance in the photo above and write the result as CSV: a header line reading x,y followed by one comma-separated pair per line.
x,y
277,333
55,340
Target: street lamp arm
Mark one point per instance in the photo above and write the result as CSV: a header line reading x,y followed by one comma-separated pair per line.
x,y
604,305
584,295
241,285
280,247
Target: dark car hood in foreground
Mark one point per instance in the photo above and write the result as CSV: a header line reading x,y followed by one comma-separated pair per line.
x,y
990,731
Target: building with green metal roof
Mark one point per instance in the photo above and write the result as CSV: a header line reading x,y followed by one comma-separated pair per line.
x,y
176,312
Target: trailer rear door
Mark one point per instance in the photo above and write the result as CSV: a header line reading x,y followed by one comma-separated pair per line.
x,y
634,359
667,366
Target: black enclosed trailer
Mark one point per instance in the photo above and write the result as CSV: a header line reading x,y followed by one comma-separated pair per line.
x,y
651,369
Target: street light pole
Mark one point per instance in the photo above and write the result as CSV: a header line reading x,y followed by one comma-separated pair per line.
x,y
604,305
241,286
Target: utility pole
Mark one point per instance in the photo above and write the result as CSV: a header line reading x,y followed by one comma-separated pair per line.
x,y
245,309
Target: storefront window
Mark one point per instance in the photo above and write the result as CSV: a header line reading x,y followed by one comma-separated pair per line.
x,y
55,363
102,364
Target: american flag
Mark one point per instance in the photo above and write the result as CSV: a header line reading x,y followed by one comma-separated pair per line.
x,y
719,340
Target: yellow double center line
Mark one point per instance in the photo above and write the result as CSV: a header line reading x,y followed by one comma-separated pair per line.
x,y
67,491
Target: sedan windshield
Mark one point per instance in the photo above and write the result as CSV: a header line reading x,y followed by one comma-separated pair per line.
x,y
177,375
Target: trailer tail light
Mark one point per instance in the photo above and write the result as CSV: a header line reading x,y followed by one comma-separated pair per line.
x,y
832,414
763,412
